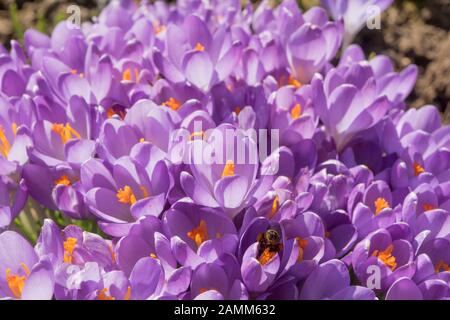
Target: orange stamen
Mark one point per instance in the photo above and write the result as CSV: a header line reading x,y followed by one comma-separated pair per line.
x,y
199,234
386,257
441,266
275,206
126,195
294,82
302,243
428,207
66,132
127,294
5,146
103,295
228,170
69,247
418,169
63,180
15,282
380,204
193,135
14,128
158,28
296,111
266,256
199,47
173,104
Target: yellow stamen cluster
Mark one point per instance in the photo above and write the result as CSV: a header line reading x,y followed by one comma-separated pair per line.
x,y
66,132
199,47
63,180
275,206
302,243
418,169
5,146
126,74
441,266
172,103
15,282
228,170
294,82
199,234
103,295
69,247
380,204
386,257
296,111
125,195
266,256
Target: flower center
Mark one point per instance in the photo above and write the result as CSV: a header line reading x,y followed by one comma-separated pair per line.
x,y
428,207
296,111
275,206
228,170
172,103
302,243
158,27
380,204
199,47
63,180
441,266
116,110
237,110
199,134
69,246
266,256
386,257
103,295
65,132
418,169
126,195
126,75
199,234
294,82
15,282
127,294
5,146
75,72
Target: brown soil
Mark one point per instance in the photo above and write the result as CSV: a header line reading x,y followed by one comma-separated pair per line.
x,y
418,34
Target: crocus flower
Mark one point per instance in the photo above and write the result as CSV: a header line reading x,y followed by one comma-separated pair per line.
x,y
392,257
120,195
214,54
24,274
355,14
12,200
227,183
198,234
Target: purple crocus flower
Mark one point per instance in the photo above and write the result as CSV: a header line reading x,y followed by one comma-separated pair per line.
x,y
393,258
120,195
355,14
376,209
24,274
9,210
201,58
331,281
346,109
198,234
218,281
221,179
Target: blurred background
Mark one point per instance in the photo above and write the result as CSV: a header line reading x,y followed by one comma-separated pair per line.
x,y
413,31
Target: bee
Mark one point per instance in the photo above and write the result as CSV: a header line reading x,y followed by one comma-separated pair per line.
x,y
270,240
